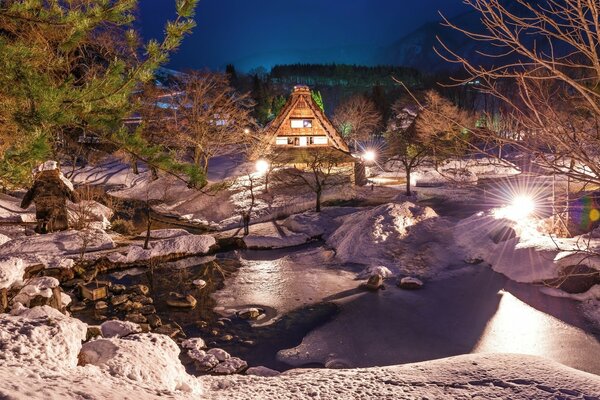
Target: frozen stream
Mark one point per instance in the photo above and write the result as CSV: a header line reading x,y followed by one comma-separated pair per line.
x,y
476,310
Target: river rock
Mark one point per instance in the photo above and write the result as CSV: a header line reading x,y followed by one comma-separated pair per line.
x,y
127,306
149,309
140,298
199,283
138,289
374,283
93,332
262,371
194,343
205,362
230,366
116,328
118,288
136,318
250,313
72,283
168,330
575,279
119,299
410,283
221,354
226,338
78,306
154,320
101,305
181,301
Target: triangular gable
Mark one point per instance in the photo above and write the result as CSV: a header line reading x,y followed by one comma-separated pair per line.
x,y
301,105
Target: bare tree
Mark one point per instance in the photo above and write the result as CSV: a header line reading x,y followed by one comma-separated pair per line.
x,y
546,72
357,118
431,129
210,117
318,170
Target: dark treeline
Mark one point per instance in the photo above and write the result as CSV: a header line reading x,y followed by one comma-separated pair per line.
x,y
344,75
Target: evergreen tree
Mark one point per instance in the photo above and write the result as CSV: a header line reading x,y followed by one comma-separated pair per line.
x,y
72,66
316,95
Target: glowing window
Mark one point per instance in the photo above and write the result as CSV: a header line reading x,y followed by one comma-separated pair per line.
x,y
281,140
301,123
319,140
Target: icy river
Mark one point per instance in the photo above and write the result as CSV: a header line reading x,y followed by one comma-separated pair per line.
x,y
316,316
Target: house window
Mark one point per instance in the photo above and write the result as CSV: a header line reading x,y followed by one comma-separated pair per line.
x,y
281,141
301,123
318,140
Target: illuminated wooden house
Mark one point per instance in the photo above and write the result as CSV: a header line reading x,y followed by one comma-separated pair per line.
x,y
302,123
302,132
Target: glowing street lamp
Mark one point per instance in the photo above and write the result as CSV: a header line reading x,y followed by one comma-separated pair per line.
x,y
520,208
262,166
369,155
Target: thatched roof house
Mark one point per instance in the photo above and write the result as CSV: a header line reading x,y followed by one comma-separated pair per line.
x,y
302,123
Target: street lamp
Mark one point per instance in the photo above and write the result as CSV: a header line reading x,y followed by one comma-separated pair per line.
x,y
262,166
369,155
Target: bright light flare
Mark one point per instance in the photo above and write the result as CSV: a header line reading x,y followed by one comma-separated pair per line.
x,y
262,166
369,155
521,208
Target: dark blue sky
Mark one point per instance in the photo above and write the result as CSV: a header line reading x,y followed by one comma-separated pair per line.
x,y
262,32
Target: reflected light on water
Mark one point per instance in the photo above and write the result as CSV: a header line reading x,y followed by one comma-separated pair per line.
x,y
517,328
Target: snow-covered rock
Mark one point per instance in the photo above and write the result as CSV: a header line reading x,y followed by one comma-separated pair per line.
x,y
11,271
220,354
40,336
382,271
148,359
53,249
38,286
116,328
230,366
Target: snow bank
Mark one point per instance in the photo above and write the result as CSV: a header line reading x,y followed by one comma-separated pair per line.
x,y
55,249
40,336
518,250
485,376
179,245
89,213
402,237
148,359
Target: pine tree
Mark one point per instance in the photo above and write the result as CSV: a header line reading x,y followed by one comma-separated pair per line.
x,y
71,67
316,95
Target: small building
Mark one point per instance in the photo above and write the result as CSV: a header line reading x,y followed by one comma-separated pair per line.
x,y
302,129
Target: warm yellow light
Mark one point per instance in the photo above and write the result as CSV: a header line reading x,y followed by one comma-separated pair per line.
x,y
262,166
369,155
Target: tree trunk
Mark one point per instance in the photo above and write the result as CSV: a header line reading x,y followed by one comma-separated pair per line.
x,y
408,192
318,207
134,166
148,226
3,300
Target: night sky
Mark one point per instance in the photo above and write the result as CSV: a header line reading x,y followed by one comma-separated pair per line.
x,y
249,33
